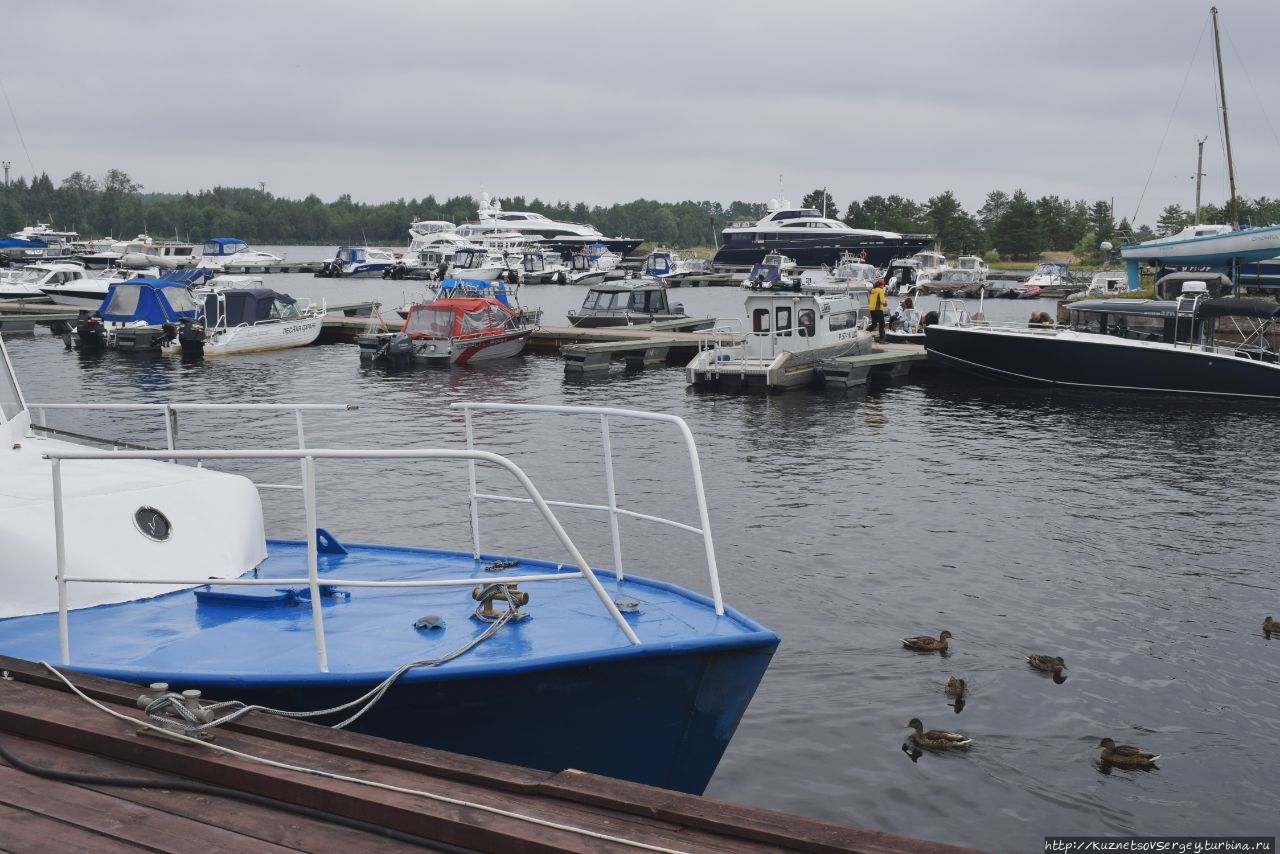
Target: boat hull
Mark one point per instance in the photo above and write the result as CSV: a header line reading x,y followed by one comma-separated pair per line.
x,y
468,351
1081,360
259,338
1251,244
798,369
745,252
596,321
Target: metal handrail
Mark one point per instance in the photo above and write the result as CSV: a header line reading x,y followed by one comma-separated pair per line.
x,y
308,459
612,508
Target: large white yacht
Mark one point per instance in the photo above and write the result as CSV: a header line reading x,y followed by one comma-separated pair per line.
x,y
568,237
812,239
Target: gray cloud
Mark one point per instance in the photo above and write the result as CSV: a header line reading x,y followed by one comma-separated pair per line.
x,y
607,102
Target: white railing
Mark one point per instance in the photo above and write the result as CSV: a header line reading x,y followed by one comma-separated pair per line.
x,y
308,458
615,511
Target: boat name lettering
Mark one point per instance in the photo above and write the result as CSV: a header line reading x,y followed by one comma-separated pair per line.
x,y
301,328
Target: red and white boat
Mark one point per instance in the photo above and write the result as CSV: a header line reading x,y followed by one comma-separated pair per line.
x,y
453,330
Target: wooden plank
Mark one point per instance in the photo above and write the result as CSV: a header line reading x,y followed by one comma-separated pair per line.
x,y
254,821
25,832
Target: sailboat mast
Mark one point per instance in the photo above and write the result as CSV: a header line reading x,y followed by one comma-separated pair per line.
x,y
1226,128
1199,175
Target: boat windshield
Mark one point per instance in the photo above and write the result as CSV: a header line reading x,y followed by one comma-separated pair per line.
x,y
606,300
429,321
10,398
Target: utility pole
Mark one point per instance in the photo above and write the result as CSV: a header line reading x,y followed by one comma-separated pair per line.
x,y
1199,175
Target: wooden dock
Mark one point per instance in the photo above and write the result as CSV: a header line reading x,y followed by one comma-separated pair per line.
x,y
74,778
281,267
593,349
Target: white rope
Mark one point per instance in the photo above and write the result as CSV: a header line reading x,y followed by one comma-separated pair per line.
x,y
301,769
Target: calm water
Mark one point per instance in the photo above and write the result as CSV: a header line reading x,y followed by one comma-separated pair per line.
x,y
1133,536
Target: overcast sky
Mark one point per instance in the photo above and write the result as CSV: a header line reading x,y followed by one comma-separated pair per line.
x,y
607,102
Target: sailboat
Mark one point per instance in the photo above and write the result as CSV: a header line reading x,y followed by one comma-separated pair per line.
x,y
1221,246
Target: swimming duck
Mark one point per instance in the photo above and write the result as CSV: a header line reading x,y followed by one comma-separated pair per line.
x,y
938,739
956,687
1268,626
927,643
1124,754
1047,663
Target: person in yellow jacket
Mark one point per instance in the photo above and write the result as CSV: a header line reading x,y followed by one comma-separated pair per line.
x,y
877,304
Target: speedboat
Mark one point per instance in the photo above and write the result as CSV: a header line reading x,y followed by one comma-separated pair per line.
x,y
930,266
812,239
789,336
585,269
1195,344
469,321
223,252
247,320
153,566
626,303
34,280
565,237
773,271
1047,274
352,262
89,292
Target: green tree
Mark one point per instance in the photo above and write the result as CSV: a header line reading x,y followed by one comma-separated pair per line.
x,y
821,201
1016,233
993,208
1173,219
1102,221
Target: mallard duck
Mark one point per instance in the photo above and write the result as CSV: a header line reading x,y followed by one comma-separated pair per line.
x,y
927,643
938,739
956,687
1047,663
1268,626
1124,754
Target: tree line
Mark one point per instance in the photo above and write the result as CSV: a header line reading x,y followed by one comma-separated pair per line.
x,y
1009,226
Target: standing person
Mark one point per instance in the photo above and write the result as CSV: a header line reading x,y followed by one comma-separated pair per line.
x,y
877,303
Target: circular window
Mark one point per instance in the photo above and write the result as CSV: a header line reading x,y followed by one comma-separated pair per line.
x,y
153,524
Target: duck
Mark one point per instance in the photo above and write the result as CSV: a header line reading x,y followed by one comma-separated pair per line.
x,y
956,687
1047,663
938,739
1124,754
1268,626
927,643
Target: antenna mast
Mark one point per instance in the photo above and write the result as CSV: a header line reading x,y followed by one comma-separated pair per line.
x,y
1226,128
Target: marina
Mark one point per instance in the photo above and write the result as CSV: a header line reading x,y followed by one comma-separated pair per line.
x,y
998,562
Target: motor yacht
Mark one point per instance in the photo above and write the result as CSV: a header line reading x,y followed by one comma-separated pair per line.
x,y
567,237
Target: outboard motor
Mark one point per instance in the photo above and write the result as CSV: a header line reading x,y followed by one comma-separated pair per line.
x,y
91,333
396,349
191,338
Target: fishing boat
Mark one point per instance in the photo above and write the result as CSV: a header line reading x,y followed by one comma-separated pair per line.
x,y
631,303
543,266
469,321
247,320
167,255
789,335
222,252
156,567
1196,344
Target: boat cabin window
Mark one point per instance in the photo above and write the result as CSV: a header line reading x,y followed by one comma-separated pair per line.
x,y
843,320
646,301
806,319
760,320
10,399
782,320
430,322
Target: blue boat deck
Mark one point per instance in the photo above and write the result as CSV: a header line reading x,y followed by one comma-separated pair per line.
x,y
266,633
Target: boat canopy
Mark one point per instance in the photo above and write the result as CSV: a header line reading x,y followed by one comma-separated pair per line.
x,y
456,317
18,243
1139,307
223,246
1239,307
150,300
240,306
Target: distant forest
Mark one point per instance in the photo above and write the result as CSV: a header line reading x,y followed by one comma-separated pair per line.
x,y
1010,226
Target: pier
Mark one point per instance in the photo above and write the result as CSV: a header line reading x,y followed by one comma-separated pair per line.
x,y
74,777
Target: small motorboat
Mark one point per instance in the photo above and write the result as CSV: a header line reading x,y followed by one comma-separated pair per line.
x,y
223,252
352,262
468,322
137,315
630,303
247,320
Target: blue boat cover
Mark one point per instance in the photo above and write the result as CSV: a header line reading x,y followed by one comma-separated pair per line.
x,y
243,305
149,300
472,287
17,243
194,276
